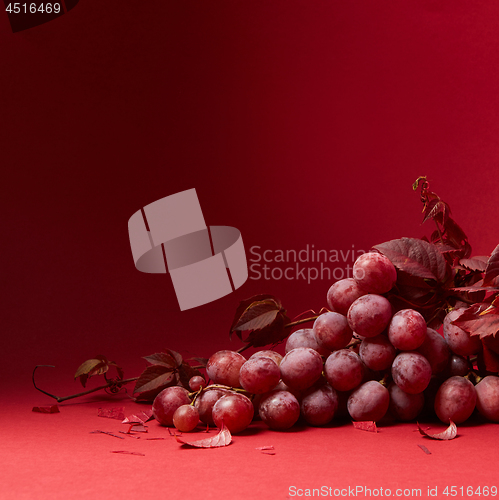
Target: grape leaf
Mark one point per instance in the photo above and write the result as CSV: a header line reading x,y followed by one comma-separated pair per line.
x,y
449,433
257,315
243,306
436,209
96,366
492,269
416,257
271,334
154,378
478,263
480,319
223,438
164,359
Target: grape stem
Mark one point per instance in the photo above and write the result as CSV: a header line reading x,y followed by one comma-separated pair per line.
x,y
111,384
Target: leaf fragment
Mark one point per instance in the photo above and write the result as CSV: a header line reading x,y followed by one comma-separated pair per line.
x,y
425,449
223,438
46,409
117,412
365,426
449,433
141,417
124,452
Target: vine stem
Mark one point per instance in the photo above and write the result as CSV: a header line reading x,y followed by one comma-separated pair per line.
x,y
60,399
301,321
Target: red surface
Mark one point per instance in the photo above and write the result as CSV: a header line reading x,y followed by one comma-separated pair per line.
x,y
299,123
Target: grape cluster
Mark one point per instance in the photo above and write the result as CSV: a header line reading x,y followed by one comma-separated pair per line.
x,y
361,359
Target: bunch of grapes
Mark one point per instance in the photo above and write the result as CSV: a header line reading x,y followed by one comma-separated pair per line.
x,y
361,360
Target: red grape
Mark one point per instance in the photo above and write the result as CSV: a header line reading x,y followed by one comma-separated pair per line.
x,y
167,401
435,350
196,382
205,402
369,315
377,353
332,331
305,338
186,418
223,368
459,341
318,405
369,401
374,272
268,354
280,410
342,294
344,370
403,406
407,330
487,397
259,375
455,400
235,411
301,367
411,371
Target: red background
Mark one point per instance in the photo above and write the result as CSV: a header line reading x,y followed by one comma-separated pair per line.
x,y
298,122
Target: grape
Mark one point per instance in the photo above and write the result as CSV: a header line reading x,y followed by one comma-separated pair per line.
x,y
459,341
268,354
455,400
223,368
407,330
305,338
405,406
374,272
344,370
369,401
167,401
259,375
342,294
487,397
196,382
205,402
369,315
318,405
435,350
301,367
186,418
332,331
458,366
235,411
377,353
411,371
280,410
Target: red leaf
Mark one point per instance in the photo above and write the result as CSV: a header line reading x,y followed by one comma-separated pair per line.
x,y
154,377
492,269
474,263
365,426
257,315
490,359
163,359
244,304
271,334
130,453
117,413
141,417
480,319
416,257
436,209
223,438
46,409
449,433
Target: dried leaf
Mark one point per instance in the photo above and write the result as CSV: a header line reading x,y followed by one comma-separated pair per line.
x,y
46,409
117,413
129,453
96,366
449,433
425,449
141,417
107,433
365,426
480,319
154,378
416,257
492,269
223,438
